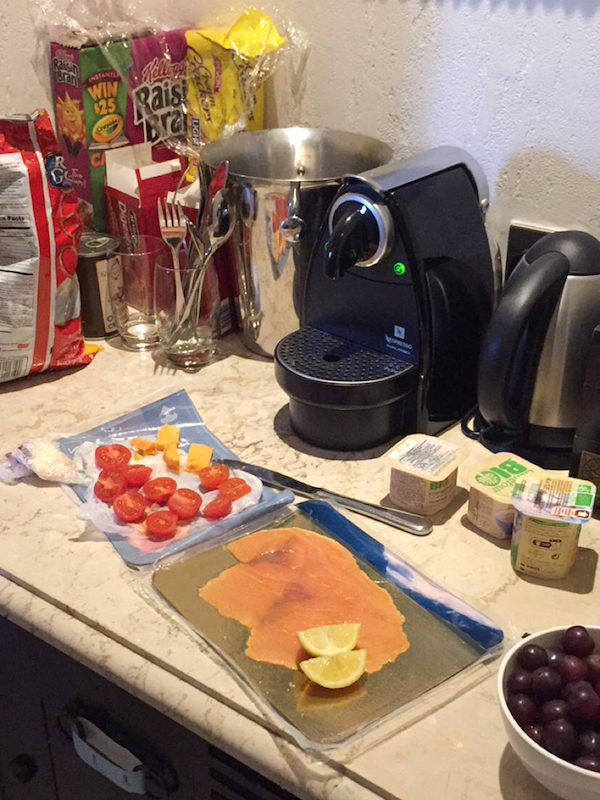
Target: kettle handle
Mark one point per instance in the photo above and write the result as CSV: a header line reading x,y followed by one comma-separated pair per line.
x,y
530,297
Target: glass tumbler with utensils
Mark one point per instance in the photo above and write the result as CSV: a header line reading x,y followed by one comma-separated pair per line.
x,y
186,294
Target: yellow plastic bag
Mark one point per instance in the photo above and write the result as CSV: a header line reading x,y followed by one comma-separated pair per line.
x,y
225,72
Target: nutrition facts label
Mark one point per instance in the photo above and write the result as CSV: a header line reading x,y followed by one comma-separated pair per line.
x,y
19,255
424,455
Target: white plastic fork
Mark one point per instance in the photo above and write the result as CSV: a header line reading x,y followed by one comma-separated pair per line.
x,y
173,231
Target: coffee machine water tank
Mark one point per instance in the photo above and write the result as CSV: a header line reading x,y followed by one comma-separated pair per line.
x,y
399,292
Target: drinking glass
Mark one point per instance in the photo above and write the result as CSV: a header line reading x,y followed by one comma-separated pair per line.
x,y
187,321
131,283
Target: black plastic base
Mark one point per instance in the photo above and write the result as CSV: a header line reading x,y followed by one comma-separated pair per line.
x,y
347,429
344,396
545,457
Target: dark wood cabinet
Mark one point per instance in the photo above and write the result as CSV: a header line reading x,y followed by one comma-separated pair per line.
x,y
42,692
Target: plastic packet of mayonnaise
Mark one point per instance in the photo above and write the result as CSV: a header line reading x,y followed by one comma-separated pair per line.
x,y
424,472
225,73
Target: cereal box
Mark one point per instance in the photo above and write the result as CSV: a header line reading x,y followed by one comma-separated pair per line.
x,y
114,94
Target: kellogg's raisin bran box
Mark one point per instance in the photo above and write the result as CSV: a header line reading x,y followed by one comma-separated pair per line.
x,y
114,94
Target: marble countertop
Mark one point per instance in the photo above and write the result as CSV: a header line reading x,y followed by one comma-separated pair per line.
x,y
74,591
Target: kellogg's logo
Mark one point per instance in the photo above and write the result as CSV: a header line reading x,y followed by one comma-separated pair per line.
x,y
158,102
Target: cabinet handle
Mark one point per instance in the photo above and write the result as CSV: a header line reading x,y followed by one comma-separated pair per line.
x,y
116,763
23,768
108,758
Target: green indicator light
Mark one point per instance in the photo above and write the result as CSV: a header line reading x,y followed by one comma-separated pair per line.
x,y
399,268
326,245
352,253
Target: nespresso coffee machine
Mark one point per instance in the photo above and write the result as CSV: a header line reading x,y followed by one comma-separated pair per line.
x,y
399,291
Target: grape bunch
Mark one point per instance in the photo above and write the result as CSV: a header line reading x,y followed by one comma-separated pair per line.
x,y
554,695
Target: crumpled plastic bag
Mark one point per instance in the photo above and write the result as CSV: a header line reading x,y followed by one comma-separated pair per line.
x,y
41,457
225,73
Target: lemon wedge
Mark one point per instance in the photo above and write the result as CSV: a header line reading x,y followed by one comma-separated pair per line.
x,y
329,640
335,672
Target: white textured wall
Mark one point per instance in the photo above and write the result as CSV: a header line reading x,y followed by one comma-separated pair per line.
x,y
516,82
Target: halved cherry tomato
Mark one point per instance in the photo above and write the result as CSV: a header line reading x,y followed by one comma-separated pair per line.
x,y
159,490
112,456
130,506
234,488
217,508
185,503
211,477
161,524
110,484
137,474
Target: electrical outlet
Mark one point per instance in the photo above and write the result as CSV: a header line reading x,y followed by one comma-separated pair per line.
x,y
520,238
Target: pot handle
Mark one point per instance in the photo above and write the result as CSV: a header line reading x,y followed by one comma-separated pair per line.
x,y
293,226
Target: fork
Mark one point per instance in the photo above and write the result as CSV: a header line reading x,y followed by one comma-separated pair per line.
x,y
173,230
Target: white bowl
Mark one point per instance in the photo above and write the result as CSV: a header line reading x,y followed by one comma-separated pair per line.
x,y
564,779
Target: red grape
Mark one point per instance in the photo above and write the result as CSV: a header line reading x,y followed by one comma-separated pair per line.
x,y
572,668
560,738
523,709
574,687
554,656
532,656
576,641
554,709
535,732
589,741
584,702
593,662
546,683
588,761
519,682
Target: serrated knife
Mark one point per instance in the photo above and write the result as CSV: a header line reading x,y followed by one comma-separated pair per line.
x,y
411,523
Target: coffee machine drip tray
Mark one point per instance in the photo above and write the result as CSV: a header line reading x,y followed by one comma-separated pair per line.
x,y
343,396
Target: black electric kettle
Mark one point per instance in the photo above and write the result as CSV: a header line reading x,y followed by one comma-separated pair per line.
x,y
533,359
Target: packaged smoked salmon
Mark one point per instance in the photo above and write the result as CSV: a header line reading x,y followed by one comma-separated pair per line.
x,y
341,640
40,228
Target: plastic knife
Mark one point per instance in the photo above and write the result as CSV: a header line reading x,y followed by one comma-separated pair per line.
x,y
411,523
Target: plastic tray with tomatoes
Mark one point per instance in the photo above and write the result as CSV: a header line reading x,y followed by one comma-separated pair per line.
x,y
150,505
139,539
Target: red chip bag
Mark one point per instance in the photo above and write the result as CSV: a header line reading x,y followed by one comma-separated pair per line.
x,y
40,228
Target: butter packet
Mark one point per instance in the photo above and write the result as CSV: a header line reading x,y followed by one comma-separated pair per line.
x,y
491,485
225,72
424,473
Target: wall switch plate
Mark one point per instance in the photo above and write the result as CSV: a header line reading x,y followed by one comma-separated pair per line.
x,y
520,238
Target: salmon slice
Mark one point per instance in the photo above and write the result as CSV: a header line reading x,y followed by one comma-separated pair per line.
x,y
289,579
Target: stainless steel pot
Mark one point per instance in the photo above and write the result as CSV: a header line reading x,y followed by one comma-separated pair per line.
x,y
284,180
